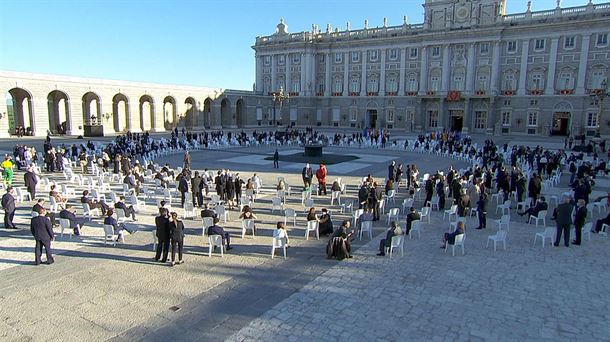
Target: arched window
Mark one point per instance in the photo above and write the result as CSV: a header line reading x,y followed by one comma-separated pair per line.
x,y
413,84
354,84
373,84
537,80
338,84
392,83
509,83
566,80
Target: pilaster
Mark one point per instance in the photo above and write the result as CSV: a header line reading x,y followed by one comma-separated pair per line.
x,y
401,77
582,65
423,77
363,85
523,69
550,77
446,69
382,73
495,68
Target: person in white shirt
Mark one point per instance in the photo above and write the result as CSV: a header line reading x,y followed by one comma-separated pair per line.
x,y
281,233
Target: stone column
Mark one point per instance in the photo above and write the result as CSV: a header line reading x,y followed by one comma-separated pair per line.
x,y
288,79
4,128
382,73
106,108
273,73
423,77
259,73
446,69
401,77
40,112
327,81
495,69
523,69
76,117
468,117
346,74
582,66
470,69
363,87
303,72
550,77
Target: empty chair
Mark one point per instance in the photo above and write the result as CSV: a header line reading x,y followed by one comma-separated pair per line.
x,y
312,226
505,207
503,222
500,236
276,204
548,233
21,195
222,212
290,214
586,229
308,203
278,243
397,242
540,217
335,195
391,196
347,206
407,203
393,213
189,210
425,213
357,214
167,196
88,212
459,241
434,202
603,203
366,227
451,211
215,241
381,206
246,225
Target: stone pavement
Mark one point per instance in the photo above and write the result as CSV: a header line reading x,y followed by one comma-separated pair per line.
x,y
98,292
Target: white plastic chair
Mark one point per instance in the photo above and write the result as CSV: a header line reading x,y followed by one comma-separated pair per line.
x,y
541,217
391,196
312,226
246,225
504,207
290,214
586,230
548,233
308,203
222,212
189,210
603,203
357,213
215,241
366,227
155,240
88,212
278,243
459,241
109,234
425,213
500,236
504,221
65,225
335,195
415,227
394,212
434,202
451,211
347,206
407,203
276,204
207,223
397,242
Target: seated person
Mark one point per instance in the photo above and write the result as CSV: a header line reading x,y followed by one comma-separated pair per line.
x,y
217,230
325,224
449,238
346,233
335,186
128,210
76,223
159,176
339,245
61,201
311,215
539,206
93,204
413,215
247,214
118,228
600,223
394,230
367,215
164,204
281,233
40,205
281,185
207,212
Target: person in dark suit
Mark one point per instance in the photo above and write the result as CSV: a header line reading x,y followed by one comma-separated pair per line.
x,y
93,204
183,186
482,212
42,230
176,232
540,205
413,215
579,220
307,175
40,205
217,230
163,234
128,210
276,159
449,238
187,161
196,187
563,218
207,212
30,180
118,228
392,170
76,223
394,230
8,204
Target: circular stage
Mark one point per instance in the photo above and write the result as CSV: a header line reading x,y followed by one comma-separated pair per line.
x,y
313,150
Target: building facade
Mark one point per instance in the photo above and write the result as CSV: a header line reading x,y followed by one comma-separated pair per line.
x,y
468,67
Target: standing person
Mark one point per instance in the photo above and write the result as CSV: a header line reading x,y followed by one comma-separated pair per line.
x,y
563,218
321,176
481,211
183,187
196,187
162,225
187,161
276,159
176,228
8,204
30,180
42,230
392,170
579,220
307,175
7,170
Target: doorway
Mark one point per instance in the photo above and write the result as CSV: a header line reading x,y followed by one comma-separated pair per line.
x,y
561,123
457,120
372,116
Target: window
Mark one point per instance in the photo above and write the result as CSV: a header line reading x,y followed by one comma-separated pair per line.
x,y
533,103
566,81
432,118
296,84
569,42
506,118
436,51
355,57
390,115
592,120
266,85
296,58
280,60
532,119
281,84
321,87
336,114
337,85
374,55
354,85
338,57
321,58
267,60
413,86
539,44
392,84
484,48
507,103
373,84
480,119
483,82
353,114
435,82
602,39
393,54
511,46
458,82
413,53
597,78
537,82
509,81
410,118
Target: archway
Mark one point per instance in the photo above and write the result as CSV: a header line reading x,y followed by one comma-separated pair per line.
x,y
59,112
372,116
19,109
207,111
120,112
147,113
169,112
226,117
191,112
562,119
92,109
240,112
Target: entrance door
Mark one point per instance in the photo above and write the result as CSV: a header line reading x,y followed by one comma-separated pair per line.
x,y
561,123
372,115
457,120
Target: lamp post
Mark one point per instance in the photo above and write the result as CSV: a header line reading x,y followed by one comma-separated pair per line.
x,y
600,95
278,98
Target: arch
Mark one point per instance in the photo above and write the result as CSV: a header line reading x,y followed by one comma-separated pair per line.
x,y
563,106
20,113
92,109
120,112
190,113
169,112
59,112
240,113
147,113
226,117
371,104
207,111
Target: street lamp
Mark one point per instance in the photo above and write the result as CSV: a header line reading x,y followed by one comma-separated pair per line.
x,y
600,95
278,98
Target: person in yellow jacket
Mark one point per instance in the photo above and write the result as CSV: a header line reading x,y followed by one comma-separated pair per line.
x,y
7,170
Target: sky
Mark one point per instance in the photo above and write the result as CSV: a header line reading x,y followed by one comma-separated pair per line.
x,y
185,42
